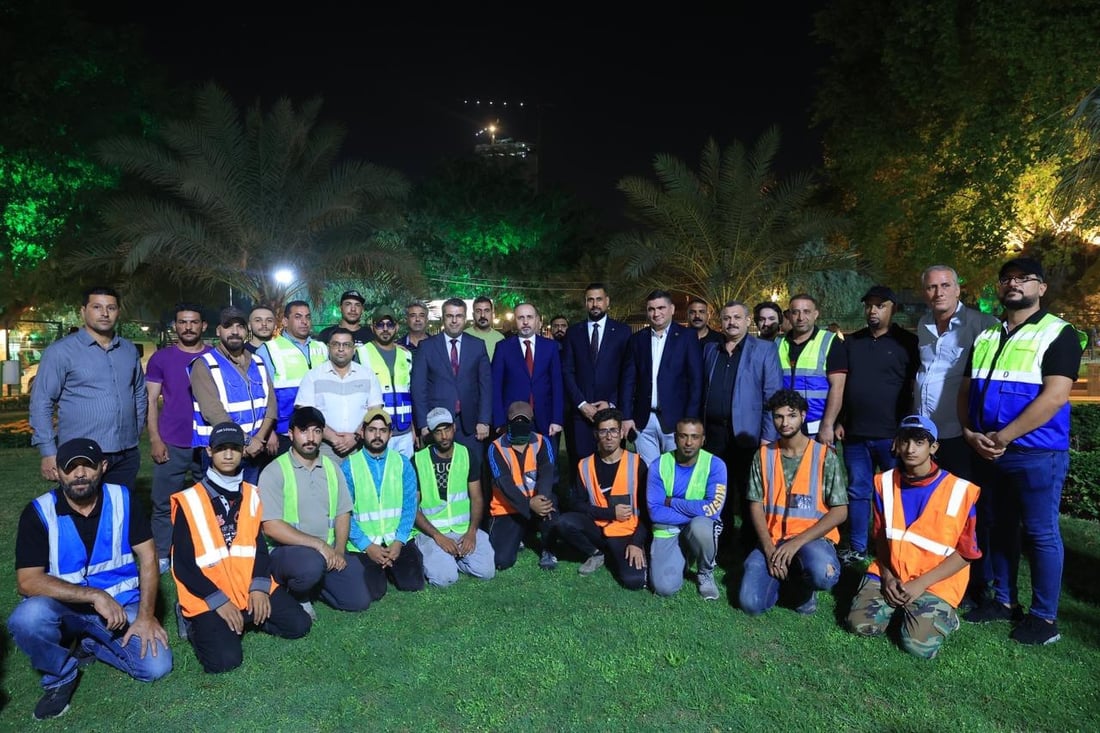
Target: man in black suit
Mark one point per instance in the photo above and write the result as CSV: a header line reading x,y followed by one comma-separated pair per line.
x,y
662,379
592,365
452,371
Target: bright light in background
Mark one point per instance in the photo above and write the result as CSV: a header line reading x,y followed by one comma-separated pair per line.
x,y
284,276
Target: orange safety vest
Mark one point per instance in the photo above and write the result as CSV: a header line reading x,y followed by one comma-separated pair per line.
x,y
625,485
524,477
790,511
931,537
229,568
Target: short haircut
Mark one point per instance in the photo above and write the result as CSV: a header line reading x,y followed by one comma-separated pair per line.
x,y
689,420
294,304
736,304
938,268
415,304
455,303
915,433
658,295
559,317
787,398
806,296
190,308
100,290
483,299
607,413
766,305
255,308
696,299
529,305
595,286
342,331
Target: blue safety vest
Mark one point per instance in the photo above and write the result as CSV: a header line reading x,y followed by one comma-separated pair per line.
x,y
244,399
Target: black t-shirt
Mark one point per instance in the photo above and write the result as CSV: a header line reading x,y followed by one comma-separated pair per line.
x,y
723,380
32,540
442,468
879,390
361,335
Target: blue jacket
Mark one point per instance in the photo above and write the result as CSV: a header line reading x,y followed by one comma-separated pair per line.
x,y
512,383
758,378
679,378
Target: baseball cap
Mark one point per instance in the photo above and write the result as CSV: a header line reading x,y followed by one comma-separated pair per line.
x,y
920,421
381,312
374,412
232,314
520,409
77,448
879,291
226,433
1026,265
439,416
304,416
352,295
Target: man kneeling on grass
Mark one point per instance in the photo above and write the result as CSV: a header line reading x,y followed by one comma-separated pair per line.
x,y
220,561
924,521
797,499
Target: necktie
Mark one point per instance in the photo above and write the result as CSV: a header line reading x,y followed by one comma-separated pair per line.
x,y
529,357
594,344
454,368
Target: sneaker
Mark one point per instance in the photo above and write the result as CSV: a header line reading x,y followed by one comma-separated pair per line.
x,y
164,565
1035,631
547,561
183,625
990,610
809,607
708,589
307,606
849,557
55,702
84,653
592,564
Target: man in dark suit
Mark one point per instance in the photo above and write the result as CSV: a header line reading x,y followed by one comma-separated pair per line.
x,y
527,368
452,371
662,379
740,376
592,366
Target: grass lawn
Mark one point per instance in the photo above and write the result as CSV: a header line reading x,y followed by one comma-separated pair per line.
x,y
537,651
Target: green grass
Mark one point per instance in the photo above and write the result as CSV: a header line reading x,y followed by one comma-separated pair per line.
x,y
536,651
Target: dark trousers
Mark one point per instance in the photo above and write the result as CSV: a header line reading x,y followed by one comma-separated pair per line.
x,y
218,647
406,574
738,460
168,478
122,467
302,571
580,531
508,530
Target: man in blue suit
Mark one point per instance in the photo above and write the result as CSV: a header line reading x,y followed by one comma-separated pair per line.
x,y
527,368
740,375
451,370
662,379
592,367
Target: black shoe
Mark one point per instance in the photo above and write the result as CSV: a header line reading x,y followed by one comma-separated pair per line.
x,y
991,610
55,702
547,561
1035,631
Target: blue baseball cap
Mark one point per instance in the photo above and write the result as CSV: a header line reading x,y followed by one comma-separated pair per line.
x,y
920,421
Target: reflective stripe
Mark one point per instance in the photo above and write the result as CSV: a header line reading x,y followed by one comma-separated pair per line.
x,y
290,493
375,507
791,510
924,543
809,375
665,530
289,365
396,394
957,496
211,552
244,397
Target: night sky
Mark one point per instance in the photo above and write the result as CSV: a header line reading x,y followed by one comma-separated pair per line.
x,y
600,98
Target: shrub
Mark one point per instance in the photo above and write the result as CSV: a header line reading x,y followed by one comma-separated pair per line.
x,y
1081,493
1085,427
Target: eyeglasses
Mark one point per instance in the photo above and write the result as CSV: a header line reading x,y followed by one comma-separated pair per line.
x,y
385,324
1018,280
341,345
606,432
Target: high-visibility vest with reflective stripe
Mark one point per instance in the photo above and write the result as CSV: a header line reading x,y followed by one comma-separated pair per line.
x,y
396,394
525,477
696,488
227,567
625,487
931,537
809,376
244,399
111,567
1002,385
289,365
453,513
791,510
290,493
378,511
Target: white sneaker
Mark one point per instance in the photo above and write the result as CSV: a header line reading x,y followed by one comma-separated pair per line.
x,y
307,606
708,589
592,564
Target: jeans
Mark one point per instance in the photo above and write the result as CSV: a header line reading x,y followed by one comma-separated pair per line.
x,y
168,478
814,567
45,630
862,457
1028,490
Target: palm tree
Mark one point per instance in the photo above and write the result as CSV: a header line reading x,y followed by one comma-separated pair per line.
x,y
1077,195
730,231
231,200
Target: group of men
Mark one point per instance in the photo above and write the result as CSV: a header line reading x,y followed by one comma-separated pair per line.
x,y
327,469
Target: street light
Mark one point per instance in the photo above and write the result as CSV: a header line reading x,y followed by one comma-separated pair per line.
x,y
284,276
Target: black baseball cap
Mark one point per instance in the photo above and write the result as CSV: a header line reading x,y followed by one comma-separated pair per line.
x,y
232,314
226,433
1026,265
304,416
352,295
879,291
77,448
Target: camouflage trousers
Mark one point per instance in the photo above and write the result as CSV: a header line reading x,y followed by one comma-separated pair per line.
x,y
922,625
